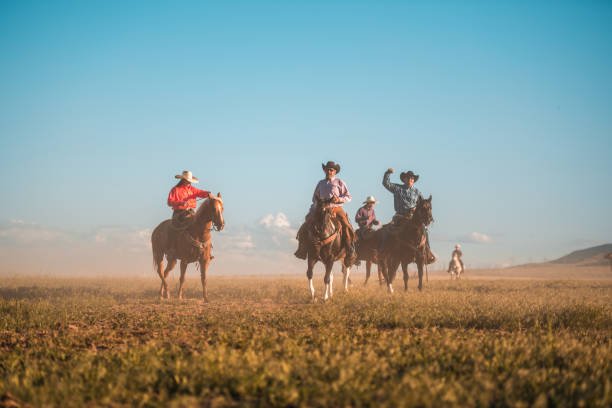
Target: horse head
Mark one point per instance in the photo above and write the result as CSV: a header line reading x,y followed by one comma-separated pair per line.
x,y
323,222
217,212
423,211
211,211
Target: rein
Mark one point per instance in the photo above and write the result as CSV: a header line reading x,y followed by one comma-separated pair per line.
x,y
198,244
327,240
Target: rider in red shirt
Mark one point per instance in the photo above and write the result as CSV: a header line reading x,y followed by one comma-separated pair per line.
x,y
182,197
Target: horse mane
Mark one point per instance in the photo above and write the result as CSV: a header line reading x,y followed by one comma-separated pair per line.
x,y
205,204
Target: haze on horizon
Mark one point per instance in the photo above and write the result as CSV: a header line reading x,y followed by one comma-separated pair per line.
x,y
504,110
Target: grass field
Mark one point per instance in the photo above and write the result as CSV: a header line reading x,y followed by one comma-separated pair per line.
x,y
259,342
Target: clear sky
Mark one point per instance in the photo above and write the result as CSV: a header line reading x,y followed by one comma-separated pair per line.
x,y
503,108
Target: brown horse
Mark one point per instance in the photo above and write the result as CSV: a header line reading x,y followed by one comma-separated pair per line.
x,y
367,245
191,245
325,244
406,243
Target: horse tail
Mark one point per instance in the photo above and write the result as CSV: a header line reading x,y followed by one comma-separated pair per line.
x,y
157,247
158,256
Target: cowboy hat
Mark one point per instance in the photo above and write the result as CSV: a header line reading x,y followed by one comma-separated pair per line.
x,y
409,174
457,246
187,176
370,199
331,164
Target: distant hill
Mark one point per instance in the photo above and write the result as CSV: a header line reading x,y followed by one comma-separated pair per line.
x,y
593,256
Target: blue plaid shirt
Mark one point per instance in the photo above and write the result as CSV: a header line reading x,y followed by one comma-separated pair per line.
x,y
404,198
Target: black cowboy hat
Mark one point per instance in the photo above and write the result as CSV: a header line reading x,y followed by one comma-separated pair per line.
x,y
409,174
331,164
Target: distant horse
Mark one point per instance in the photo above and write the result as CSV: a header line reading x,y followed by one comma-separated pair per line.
x,y
326,244
367,250
454,268
191,245
406,243
609,258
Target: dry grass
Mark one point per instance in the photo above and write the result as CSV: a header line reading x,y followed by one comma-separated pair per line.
x,y
261,343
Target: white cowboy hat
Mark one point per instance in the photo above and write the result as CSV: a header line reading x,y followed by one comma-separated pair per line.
x,y
370,199
457,246
187,176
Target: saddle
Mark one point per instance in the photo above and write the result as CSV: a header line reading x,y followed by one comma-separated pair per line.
x,y
181,220
178,234
364,234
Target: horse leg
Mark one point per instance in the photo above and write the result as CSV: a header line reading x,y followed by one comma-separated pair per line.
x,y
346,271
405,272
203,269
392,266
183,267
368,268
420,263
159,268
384,268
311,263
169,267
381,277
328,280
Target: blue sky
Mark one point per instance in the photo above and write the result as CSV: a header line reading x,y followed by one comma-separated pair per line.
x,y
503,108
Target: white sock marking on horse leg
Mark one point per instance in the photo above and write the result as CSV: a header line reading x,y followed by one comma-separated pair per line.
x,y
311,287
331,284
390,288
347,272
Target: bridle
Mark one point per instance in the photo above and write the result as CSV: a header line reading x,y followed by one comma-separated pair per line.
x,y
217,225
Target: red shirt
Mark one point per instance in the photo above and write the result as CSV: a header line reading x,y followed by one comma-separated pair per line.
x,y
183,197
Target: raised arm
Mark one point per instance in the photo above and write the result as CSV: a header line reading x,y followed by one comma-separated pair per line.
x,y
392,187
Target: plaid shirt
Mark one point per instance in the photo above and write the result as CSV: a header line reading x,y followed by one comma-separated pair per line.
x,y
404,198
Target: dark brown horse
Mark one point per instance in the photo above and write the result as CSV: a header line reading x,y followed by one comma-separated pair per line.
x,y
191,245
368,242
325,244
406,243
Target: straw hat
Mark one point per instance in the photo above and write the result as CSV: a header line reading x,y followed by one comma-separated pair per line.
x,y
370,199
187,176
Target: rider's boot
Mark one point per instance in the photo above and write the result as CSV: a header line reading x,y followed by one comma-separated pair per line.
x,y
351,253
302,251
429,256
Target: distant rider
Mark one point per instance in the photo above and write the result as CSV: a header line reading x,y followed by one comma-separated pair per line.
x,y
457,252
